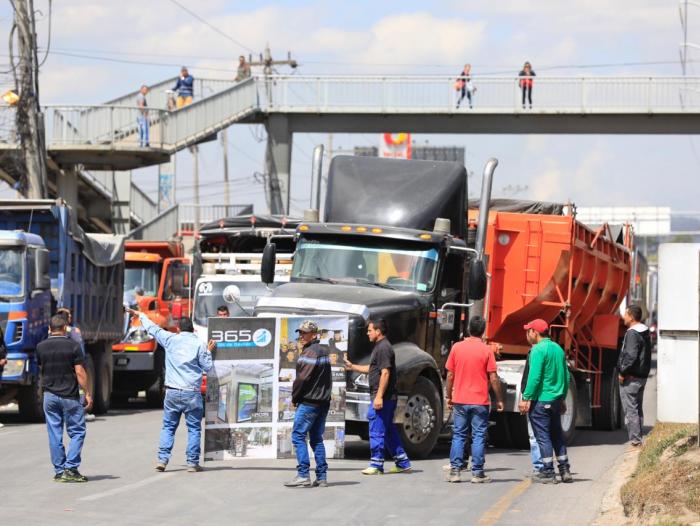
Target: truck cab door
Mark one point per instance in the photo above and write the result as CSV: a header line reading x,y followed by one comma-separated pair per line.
x,y
450,287
175,288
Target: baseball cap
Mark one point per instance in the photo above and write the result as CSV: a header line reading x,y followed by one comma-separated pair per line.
x,y
539,325
307,326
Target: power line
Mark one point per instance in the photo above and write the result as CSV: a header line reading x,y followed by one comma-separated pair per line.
x,y
211,26
136,62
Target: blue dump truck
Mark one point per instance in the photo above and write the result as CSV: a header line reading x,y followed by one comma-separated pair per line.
x,y
47,262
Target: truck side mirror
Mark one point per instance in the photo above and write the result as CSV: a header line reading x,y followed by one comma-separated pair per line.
x,y
42,280
477,280
267,266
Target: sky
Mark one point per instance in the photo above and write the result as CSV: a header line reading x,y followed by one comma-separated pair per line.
x,y
102,49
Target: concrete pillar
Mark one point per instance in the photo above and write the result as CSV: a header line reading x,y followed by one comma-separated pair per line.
x,y
121,202
67,184
278,162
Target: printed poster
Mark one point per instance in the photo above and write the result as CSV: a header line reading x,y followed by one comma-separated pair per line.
x,y
248,405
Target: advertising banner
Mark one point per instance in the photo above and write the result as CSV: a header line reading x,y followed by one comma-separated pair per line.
x,y
248,405
395,145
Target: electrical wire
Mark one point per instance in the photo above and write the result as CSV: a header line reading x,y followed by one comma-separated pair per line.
x,y
211,26
135,62
48,45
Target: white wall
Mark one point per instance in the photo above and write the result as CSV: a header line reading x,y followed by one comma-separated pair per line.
x,y
678,347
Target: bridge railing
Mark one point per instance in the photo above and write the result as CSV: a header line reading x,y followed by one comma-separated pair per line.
x,y
117,126
431,94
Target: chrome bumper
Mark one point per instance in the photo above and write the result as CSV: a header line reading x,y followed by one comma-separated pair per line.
x,y
357,404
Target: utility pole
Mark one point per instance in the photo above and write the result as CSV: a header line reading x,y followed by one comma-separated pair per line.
x,y
29,120
195,176
224,147
278,205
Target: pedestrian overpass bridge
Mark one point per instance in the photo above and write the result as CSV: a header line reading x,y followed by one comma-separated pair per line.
x,y
105,136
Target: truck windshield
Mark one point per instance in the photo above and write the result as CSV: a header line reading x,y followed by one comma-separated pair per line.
x,y
383,262
11,273
141,276
210,296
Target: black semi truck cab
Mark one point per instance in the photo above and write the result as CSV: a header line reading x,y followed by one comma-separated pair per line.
x,y
393,247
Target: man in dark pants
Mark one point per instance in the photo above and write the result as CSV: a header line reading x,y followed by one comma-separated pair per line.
x,y
311,395
633,367
186,359
544,400
61,362
383,435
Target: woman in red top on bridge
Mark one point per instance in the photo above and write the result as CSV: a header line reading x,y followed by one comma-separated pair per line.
x,y
526,82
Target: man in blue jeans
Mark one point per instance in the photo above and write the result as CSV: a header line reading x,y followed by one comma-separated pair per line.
x,y
61,362
471,367
186,359
383,435
544,400
311,395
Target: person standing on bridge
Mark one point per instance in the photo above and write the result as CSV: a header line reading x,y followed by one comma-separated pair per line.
x,y
185,88
471,367
464,85
383,435
142,119
544,400
526,80
186,359
62,371
633,367
311,395
243,71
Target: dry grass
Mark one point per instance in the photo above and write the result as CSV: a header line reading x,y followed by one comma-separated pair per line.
x,y
666,483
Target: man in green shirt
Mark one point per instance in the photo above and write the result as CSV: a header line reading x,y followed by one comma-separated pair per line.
x,y
544,400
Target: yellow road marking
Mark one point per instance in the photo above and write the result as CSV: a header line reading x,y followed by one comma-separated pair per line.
x,y
491,516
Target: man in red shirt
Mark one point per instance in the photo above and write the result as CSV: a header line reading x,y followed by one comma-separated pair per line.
x,y
471,367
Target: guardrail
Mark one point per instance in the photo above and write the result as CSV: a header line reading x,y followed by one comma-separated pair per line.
x,y
438,94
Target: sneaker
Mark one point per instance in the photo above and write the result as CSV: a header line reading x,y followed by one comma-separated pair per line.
x,y
454,475
566,477
481,479
298,482
89,417
161,466
194,468
398,469
322,483
73,475
541,478
58,477
448,467
372,471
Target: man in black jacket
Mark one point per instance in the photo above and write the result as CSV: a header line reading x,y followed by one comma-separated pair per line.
x,y
633,369
311,395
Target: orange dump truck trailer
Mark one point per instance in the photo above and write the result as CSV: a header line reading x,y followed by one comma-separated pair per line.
x,y
157,282
551,266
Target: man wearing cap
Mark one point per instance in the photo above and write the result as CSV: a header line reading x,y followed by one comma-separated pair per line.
x,y
544,400
311,395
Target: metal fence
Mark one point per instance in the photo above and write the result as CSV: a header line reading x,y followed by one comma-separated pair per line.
x,y
438,94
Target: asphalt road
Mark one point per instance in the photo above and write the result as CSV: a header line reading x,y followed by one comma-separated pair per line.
x,y
124,489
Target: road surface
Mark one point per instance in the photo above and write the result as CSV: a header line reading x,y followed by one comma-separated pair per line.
x,y
124,489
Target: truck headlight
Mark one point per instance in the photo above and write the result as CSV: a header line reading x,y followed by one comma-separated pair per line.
x,y
13,368
137,335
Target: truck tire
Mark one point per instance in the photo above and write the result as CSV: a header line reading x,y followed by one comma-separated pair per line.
x,y
102,393
568,419
608,416
422,419
90,372
30,399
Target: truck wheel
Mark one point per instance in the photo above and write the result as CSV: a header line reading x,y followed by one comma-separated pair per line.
x,y
90,371
30,399
608,416
568,418
103,382
422,419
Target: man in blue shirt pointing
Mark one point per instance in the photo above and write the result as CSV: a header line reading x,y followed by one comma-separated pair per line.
x,y
186,359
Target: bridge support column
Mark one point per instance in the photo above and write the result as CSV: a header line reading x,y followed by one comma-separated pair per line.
x,y
67,184
278,163
121,202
